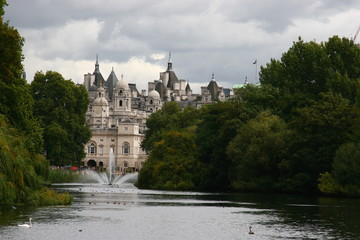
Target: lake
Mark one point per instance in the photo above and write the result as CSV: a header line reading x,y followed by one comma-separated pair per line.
x,y
121,211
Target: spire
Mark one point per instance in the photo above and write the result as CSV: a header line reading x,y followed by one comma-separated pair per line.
x,y
97,62
169,63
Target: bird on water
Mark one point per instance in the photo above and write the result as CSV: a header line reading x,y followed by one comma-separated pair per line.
x,y
26,225
250,230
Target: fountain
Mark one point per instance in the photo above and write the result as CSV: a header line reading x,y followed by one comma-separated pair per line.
x,y
111,167
109,176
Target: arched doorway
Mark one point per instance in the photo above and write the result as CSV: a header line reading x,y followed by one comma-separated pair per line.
x,y
91,163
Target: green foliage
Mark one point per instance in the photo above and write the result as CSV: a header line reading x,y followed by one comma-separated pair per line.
x,y
170,117
217,126
23,170
345,174
61,106
46,197
311,68
257,152
62,176
16,102
2,5
18,171
280,136
321,127
171,163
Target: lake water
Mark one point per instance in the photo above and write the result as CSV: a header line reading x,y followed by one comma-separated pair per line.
x,y
122,211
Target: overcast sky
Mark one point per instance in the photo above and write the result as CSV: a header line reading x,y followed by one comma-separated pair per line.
x,y
134,37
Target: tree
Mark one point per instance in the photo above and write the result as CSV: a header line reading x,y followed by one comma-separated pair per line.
x,y
171,164
216,127
311,68
257,152
344,177
169,117
61,106
321,127
16,102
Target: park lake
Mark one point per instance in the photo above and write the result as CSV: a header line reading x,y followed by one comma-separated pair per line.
x,y
122,211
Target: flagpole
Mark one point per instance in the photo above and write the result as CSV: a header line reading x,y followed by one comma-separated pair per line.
x,y
255,63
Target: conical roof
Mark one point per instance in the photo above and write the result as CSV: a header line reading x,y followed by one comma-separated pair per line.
x,y
111,82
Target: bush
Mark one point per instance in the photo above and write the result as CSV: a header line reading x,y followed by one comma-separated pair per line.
x,y
47,196
62,176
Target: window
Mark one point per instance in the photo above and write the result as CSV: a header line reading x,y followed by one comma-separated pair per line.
x,y
92,148
120,103
101,139
126,128
151,101
125,164
126,148
101,150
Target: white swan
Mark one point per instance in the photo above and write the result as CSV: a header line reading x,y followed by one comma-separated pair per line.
x,y
250,230
26,225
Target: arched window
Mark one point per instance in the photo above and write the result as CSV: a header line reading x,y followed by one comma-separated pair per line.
x,y
92,148
120,92
151,101
120,103
125,164
126,148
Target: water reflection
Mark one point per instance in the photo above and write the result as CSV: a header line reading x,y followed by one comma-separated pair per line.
x,y
122,211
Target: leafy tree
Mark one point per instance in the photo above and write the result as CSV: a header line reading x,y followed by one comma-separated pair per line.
x,y
311,68
321,128
344,177
16,102
169,117
19,168
61,106
171,164
257,152
216,127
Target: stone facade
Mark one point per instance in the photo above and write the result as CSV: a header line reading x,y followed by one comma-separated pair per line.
x,y
117,113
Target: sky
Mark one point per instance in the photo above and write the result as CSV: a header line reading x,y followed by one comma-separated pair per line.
x,y
205,37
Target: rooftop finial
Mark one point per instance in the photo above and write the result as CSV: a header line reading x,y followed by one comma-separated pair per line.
x,y
97,63
213,77
169,63
122,76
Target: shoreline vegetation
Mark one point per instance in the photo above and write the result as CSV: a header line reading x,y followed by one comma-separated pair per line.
x,y
296,132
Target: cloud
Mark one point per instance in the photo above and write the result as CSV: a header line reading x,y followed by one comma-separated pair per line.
x,y
134,37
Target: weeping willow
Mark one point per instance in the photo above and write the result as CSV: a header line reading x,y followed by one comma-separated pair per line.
x,y
22,173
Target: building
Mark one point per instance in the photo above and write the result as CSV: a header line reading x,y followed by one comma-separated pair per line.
x,y
117,113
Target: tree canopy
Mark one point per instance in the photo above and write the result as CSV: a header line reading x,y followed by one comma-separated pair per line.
x,y
292,133
60,106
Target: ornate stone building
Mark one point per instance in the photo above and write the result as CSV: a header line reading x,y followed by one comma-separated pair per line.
x,y
117,113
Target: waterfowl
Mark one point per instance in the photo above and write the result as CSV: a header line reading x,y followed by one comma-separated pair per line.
x,y
26,225
250,230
